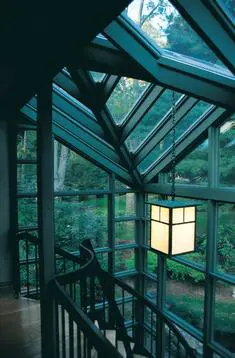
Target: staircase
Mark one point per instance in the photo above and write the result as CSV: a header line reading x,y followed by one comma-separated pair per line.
x,y
98,315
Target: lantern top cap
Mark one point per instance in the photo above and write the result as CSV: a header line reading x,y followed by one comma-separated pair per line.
x,y
173,204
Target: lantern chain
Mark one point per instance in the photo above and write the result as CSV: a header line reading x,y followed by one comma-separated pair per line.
x,y
173,157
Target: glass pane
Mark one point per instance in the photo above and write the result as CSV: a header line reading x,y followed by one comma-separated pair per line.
x,y
103,260
27,212
26,178
124,260
226,239
150,120
224,324
130,281
120,186
124,232
185,293
81,217
27,145
97,76
73,172
229,7
124,96
151,262
125,204
193,169
168,30
227,153
181,127
150,289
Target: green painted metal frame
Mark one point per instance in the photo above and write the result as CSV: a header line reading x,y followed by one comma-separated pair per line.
x,y
92,99
208,19
183,106
187,140
45,182
196,81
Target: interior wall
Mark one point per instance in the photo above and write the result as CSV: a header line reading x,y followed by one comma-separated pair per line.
x,y
5,264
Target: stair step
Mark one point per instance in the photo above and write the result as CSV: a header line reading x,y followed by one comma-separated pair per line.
x,y
111,336
121,348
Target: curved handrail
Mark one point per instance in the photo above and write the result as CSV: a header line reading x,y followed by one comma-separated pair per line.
x,y
86,270
151,306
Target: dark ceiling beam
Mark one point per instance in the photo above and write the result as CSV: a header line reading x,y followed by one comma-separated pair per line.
x,y
63,80
165,125
201,82
94,156
208,19
187,141
38,41
101,56
108,85
77,130
94,99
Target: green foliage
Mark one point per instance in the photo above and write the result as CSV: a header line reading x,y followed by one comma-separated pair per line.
x,y
181,272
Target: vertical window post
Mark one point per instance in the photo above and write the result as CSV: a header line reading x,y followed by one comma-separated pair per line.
x,y
46,218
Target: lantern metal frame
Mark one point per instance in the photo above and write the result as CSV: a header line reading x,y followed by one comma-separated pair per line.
x,y
171,205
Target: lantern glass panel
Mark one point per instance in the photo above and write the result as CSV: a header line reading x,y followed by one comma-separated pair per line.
x,y
183,238
155,212
160,236
189,214
177,215
165,215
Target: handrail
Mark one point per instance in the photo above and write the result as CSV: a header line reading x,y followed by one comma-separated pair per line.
x,y
89,266
99,341
58,250
151,306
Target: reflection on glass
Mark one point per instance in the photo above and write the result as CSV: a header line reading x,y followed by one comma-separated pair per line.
x,y
229,7
150,120
81,217
151,262
26,178
124,260
181,127
27,144
185,293
27,212
97,76
227,153
167,28
124,96
150,289
125,204
124,232
226,239
193,169
73,172
224,322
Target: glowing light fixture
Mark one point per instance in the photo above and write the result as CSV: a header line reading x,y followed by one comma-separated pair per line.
x,y
173,226
173,223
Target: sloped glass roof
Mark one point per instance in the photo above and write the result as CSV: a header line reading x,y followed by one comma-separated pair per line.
x,y
124,96
181,127
97,76
150,120
229,7
121,120
163,24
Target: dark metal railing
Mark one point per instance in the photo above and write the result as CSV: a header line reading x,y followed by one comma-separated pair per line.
x,y
84,293
28,265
